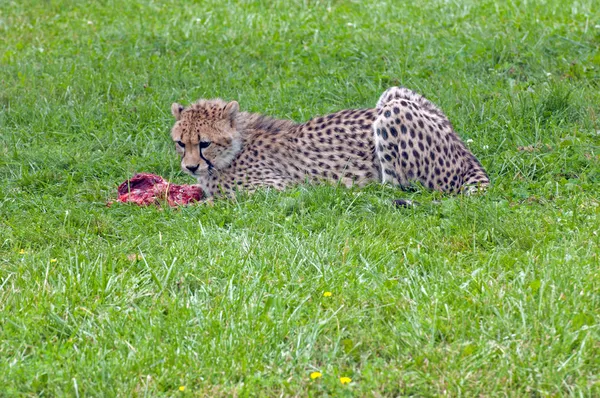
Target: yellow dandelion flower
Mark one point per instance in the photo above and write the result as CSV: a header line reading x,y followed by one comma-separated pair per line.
x,y
181,388
345,380
53,260
327,294
315,375
22,251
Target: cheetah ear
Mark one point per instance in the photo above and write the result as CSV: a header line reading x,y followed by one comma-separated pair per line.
x,y
230,111
176,110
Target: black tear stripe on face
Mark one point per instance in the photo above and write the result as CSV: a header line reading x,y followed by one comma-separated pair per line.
x,y
210,165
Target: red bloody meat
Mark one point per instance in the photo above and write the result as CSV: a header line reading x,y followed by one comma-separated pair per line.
x,y
146,189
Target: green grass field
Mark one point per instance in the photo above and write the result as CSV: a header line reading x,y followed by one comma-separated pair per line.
x,y
493,295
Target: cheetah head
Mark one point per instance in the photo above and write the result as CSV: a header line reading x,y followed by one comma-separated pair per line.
x,y
205,135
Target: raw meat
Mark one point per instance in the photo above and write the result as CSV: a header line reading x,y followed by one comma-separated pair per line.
x,y
145,189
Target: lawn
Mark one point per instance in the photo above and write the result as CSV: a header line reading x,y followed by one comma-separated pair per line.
x,y
492,295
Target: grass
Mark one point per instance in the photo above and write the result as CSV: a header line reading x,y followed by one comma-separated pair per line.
x,y
494,295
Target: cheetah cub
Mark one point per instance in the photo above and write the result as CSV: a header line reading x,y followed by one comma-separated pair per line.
x,y
405,139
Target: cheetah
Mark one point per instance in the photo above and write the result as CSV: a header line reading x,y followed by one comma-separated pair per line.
x,y
404,140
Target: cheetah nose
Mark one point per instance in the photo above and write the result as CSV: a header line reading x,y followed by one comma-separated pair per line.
x,y
192,168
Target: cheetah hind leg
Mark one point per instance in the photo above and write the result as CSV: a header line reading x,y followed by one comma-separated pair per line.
x,y
401,139
395,169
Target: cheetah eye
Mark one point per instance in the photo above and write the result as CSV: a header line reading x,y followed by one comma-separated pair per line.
x,y
205,144
181,144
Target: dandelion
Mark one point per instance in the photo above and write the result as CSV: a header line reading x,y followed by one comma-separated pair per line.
x,y
327,294
181,388
315,375
22,251
345,380
53,260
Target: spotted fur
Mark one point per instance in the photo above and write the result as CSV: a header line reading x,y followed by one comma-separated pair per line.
x,y
415,142
404,139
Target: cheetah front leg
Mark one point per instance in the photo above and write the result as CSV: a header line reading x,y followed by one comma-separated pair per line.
x,y
229,186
